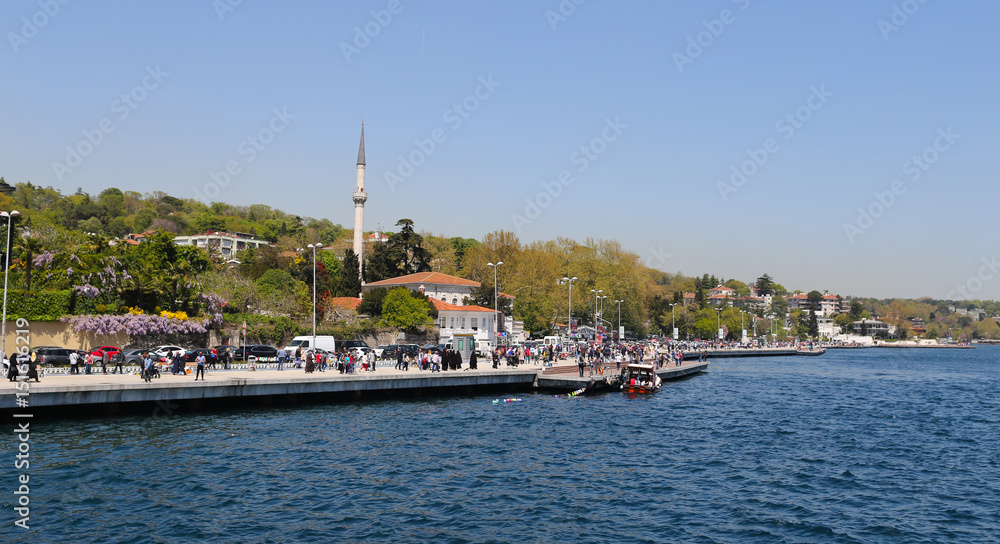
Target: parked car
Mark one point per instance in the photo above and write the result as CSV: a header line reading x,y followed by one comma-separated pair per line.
x,y
99,351
256,350
133,357
55,356
221,349
350,345
389,352
160,352
191,355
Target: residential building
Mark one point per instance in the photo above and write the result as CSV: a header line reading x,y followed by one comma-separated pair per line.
x,y
872,327
227,244
465,319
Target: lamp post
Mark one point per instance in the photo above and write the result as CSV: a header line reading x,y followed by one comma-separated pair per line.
x,y
314,247
569,311
6,270
597,293
619,319
673,321
719,310
496,307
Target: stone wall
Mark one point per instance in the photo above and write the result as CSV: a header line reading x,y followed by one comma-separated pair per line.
x,y
62,335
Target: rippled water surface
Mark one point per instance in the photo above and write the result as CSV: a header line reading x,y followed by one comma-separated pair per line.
x,y
853,446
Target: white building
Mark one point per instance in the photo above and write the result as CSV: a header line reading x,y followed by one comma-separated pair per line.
x,y
468,319
228,244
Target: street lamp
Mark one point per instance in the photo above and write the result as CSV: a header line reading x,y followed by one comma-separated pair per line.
x,y
569,312
597,294
673,321
496,307
314,247
619,319
6,270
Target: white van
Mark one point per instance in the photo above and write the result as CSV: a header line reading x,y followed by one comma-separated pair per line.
x,y
305,342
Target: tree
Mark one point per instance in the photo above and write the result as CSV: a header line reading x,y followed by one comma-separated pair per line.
x,y
813,325
371,305
402,311
814,297
276,280
349,282
402,254
765,284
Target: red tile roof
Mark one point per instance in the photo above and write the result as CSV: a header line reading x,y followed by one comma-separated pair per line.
x,y
426,277
345,303
441,305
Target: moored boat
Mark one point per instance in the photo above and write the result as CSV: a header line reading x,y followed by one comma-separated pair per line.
x,y
640,379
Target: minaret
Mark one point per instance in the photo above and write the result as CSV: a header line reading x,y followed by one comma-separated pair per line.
x,y
359,203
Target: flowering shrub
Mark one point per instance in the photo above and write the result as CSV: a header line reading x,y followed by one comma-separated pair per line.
x,y
183,316
136,324
134,311
43,259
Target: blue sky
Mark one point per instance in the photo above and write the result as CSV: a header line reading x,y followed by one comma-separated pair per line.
x,y
828,104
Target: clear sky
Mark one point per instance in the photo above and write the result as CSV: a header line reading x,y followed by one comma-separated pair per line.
x,y
634,115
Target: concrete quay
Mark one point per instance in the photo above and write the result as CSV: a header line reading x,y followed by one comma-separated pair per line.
x,y
62,395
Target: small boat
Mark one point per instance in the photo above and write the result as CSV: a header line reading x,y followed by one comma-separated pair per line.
x,y
814,351
640,379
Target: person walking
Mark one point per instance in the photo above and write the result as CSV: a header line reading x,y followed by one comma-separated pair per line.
x,y
200,370
74,362
117,358
89,362
104,362
282,355
12,370
147,367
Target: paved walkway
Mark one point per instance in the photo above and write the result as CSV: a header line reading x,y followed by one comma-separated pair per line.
x,y
219,375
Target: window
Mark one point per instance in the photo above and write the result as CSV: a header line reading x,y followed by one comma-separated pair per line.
x,y
463,322
475,323
453,322
454,301
444,321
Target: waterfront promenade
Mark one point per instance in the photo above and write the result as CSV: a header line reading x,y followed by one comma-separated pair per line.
x,y
97,393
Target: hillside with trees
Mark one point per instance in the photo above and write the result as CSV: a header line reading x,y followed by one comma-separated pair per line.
x,y
70,261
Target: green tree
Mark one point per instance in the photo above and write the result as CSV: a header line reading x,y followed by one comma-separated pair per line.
x,y
276,280
348,284
765,284
401,310
372,303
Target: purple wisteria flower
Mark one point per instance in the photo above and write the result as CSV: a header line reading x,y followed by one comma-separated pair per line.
x,y
43,259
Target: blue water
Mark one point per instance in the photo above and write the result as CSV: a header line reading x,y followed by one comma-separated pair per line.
x,y
852,446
